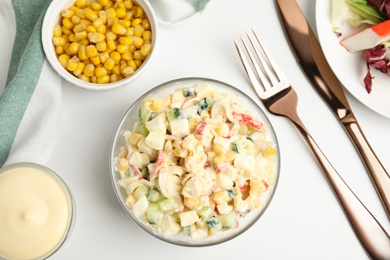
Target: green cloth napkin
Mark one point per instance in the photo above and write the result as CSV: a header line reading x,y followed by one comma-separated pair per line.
x,y
25,80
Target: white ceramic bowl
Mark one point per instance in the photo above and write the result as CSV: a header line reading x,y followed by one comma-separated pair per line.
x,y
52,17
131,117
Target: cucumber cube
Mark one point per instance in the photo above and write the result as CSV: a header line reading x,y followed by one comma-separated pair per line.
x,y
153,213
228,220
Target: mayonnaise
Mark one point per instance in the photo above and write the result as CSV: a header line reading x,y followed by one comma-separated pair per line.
x,y
35,211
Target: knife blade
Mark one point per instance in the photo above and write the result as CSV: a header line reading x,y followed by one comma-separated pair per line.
x,y
308,52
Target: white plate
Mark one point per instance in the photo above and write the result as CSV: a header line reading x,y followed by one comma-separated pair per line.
x,y
350,68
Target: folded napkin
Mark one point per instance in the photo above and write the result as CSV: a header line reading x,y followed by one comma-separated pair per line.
x,y
30,90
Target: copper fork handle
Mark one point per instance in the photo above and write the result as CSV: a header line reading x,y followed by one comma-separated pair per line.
x,y
372,236
377,172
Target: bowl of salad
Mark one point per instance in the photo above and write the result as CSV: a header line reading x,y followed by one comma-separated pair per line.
x,y
194,162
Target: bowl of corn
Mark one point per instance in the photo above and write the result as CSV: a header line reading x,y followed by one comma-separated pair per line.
x,y
194,162
99,44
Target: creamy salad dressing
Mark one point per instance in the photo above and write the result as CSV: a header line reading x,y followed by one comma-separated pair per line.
x,y
35,213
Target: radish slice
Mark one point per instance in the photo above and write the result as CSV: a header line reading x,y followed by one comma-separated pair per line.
x,y
368,38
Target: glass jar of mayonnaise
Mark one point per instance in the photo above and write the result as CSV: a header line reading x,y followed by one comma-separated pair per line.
x,y
37,212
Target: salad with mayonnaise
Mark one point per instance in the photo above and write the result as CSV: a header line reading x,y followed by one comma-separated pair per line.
x,y
195,162
373,39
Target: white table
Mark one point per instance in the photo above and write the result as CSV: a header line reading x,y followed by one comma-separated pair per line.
x,y
304,220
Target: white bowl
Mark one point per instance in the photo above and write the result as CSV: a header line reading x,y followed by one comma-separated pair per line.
x,y
127,123
52,17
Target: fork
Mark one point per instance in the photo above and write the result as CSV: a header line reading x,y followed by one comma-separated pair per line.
x,y
280,98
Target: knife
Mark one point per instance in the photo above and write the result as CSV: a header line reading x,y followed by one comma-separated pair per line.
x,y
313,63
309,54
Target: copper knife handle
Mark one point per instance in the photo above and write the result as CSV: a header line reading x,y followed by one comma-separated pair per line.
x,y
377,172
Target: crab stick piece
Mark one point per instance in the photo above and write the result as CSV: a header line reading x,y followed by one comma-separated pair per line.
x,y
368,38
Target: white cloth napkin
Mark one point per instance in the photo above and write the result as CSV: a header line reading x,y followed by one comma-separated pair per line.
x,y
30,90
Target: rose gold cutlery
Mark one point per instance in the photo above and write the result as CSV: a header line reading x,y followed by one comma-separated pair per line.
x,y
309,54
279,98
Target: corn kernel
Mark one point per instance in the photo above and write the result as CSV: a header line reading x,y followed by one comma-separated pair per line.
x,y
146,49
132,64
65,31
192,204
138,63
101,29
72,38
75,19
136,22
84,41
103,2
67,23
111,36
116,70
96,6
94,79
71,65
59,41
96,37
91,28
122,164
128,16
127,55
125,23
109,64
138,56
138,30
103,16
101,46
122,48
147,35
80,3
84,78
91,51
89,70
95,60
125,40
137,41
100,71
90,14
63,59
80,27
67,13
79,69
74,47
120,12
103,79
138,11
81,35
221,197
118,29
146,24
57,31
59,50
127,71
82,53
115,56
128,4
113,78
104,56
80,13
111,45
110,13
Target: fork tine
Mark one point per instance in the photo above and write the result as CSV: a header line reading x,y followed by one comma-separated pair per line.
x,y
251,75
274,66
